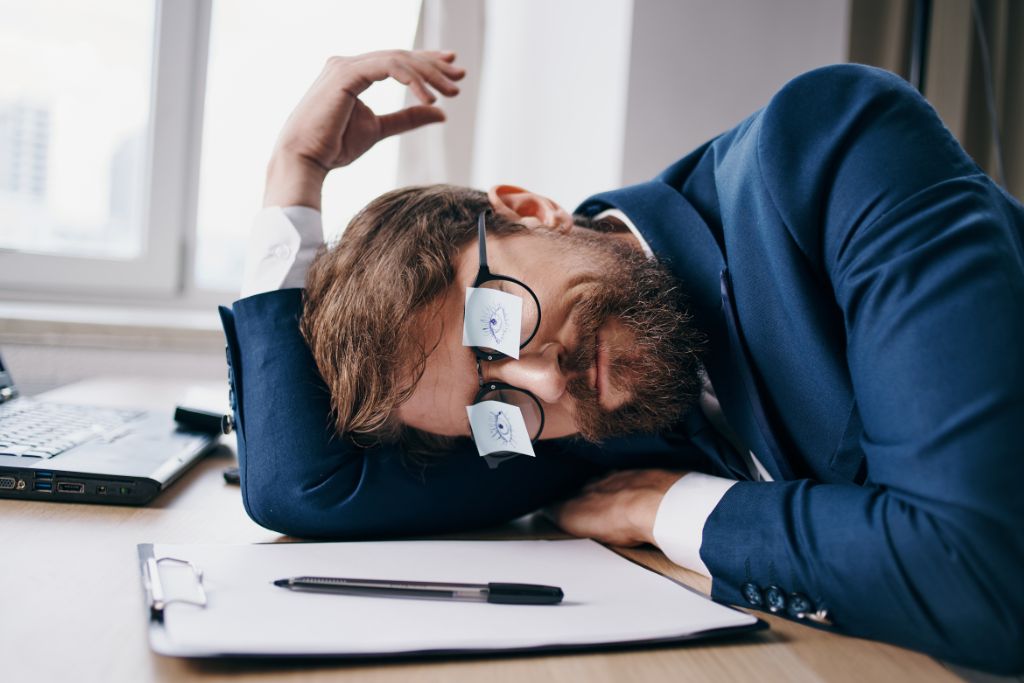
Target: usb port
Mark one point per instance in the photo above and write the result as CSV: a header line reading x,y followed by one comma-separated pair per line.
x,y
44,475
70,487
46,486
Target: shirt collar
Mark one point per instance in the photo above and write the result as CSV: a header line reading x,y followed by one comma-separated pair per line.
x,y
624,219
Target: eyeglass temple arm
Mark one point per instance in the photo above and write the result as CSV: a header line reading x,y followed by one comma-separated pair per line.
x,y
481,228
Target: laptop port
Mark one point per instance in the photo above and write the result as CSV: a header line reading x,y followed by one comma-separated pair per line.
x,y
7,482
44,486
43,475
70,487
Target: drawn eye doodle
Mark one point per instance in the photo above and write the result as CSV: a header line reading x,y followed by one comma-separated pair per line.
x,y
501,428
495,323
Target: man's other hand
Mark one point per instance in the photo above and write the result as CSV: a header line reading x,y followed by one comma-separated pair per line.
x,y
619,509
331,127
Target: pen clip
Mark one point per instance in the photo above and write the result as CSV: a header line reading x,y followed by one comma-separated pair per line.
x,y
156,593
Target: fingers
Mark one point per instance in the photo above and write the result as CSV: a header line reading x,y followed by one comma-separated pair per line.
x,y
415,81
612,482
420,71
625,479
441,80
444,62
408,119
444,55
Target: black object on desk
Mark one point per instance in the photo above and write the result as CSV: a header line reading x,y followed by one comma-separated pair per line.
x,y
502,593
204,421
231,475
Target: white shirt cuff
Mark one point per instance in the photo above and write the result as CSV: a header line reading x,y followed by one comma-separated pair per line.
x,y
679,524
281,247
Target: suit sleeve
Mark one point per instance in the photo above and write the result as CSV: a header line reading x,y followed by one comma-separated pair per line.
x,y
923,254
300,478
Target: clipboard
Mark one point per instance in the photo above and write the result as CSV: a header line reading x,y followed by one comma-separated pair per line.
x,y
212,601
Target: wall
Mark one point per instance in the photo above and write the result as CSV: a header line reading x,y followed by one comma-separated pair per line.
x,y
579,96
46,347
698,67
39,367
552,96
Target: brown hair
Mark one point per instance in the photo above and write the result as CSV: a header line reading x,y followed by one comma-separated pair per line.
x,y
396,257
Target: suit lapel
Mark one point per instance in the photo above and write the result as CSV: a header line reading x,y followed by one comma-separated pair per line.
x,y
682,240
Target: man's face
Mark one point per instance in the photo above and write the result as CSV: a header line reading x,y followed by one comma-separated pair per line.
x,y
615,352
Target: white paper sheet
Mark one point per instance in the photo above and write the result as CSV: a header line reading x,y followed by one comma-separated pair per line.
x,y
499,427
493,319
608,599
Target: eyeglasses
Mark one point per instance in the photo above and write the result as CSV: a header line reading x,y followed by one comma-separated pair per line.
x,y
500,326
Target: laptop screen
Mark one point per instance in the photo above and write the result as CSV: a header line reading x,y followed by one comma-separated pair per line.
x,y
7,389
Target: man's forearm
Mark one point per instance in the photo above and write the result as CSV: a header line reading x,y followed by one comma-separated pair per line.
x,y
293,181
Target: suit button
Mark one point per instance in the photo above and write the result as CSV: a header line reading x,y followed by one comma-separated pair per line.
x,y
752,594
799,606
775,598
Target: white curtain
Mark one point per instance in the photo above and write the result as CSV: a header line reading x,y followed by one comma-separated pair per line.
x,y
955,71
444,153
544,100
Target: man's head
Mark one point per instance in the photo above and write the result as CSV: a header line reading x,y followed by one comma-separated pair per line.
x,y
615,352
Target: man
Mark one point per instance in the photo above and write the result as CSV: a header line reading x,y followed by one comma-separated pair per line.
x,y
827,424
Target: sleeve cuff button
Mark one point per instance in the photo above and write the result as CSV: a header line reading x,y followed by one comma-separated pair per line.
x,y
752,594
799,606
775,598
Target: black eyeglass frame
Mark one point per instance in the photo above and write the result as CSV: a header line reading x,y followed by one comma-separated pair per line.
x,y
487,387
483,275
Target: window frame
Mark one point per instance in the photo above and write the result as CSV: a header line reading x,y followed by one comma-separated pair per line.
x,y
163,271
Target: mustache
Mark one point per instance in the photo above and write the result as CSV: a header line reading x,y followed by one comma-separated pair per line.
x,y
584,357
580,362
591,314
660,365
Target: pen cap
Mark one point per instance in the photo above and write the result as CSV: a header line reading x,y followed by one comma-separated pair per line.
x,y
523,594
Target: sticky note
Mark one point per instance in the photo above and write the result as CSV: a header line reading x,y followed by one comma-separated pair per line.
x,y
499,427
493,320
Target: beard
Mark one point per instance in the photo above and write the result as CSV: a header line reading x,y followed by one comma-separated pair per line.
x,y
661,369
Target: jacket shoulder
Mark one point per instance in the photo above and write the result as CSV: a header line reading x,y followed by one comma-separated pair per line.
x,y
840,145
824,94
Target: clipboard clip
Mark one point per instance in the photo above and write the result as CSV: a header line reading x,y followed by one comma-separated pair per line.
x,y
156,594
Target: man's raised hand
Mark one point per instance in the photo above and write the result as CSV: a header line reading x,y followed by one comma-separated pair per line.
x,y
331,127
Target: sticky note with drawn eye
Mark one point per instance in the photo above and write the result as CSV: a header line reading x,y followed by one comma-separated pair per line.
x,y
499,428
493,320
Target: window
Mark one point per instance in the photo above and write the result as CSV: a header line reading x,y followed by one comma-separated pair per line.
x,y
134,134
74,111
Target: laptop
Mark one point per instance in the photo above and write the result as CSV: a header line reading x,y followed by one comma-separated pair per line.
x,y
89,454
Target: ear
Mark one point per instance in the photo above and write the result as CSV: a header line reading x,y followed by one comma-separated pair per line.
x,y
528,208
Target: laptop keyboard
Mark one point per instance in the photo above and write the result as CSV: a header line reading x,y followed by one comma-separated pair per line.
x,y
34,429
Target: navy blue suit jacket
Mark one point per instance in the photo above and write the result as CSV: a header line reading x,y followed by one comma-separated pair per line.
x,y
861,282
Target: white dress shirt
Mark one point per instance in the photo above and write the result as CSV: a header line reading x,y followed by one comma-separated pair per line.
x,y
281,247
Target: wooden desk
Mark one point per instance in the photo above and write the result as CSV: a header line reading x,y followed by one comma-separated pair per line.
x,y
71,604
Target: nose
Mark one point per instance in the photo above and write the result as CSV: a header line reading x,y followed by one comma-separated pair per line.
x,y
539,372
